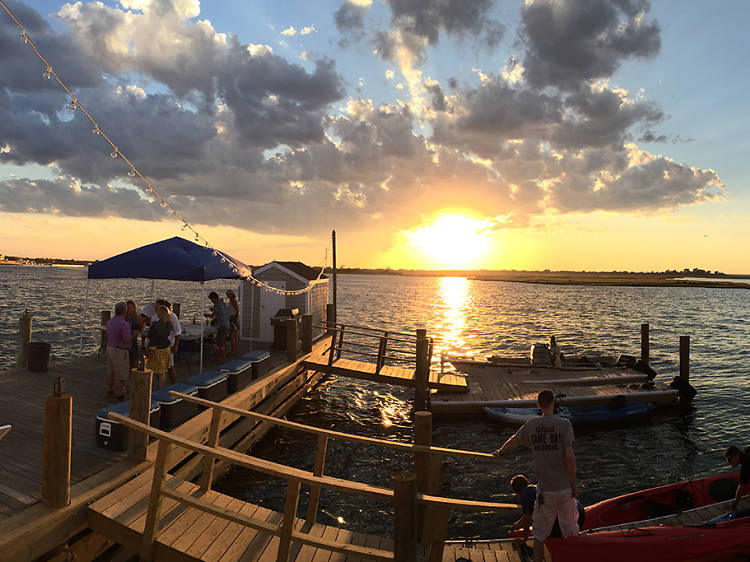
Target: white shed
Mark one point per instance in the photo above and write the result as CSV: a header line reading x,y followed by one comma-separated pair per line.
x,y
258,306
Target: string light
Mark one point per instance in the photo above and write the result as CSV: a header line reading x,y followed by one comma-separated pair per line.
x,y
74,104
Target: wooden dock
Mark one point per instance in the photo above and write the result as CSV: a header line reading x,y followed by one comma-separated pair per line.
x,y
400,376
519,386
164,517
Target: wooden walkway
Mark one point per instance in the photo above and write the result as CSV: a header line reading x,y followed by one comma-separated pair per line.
x,y
387,374
519,386
187,533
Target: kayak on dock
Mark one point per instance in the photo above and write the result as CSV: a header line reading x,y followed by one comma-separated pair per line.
x,y
689,520
577,415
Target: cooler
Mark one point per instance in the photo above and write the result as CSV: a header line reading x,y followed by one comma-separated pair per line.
x,y
212,385
175,411
113,435
261,361
239,372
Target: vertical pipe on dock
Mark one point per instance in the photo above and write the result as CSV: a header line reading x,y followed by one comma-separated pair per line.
x,y
685,358
307,333
422,372
56,447
140,410
291,339
405,517
177,309
644,343
335,302
24,338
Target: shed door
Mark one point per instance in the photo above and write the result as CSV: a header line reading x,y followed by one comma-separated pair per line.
x,y
270,303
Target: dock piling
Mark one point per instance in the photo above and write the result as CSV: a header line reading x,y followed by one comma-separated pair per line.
x,y
291,339
140,410
320,462
24,338
644,343
405,517
685,358
422,373
331,318
307,333
177,309
56,448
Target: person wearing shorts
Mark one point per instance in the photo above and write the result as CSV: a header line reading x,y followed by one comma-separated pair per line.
x,y
119,340
159,344
551,440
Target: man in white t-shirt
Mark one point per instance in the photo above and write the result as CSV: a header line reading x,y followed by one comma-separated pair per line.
x,y
149,311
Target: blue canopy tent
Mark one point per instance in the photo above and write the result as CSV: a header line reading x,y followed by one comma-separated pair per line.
x,y
176,259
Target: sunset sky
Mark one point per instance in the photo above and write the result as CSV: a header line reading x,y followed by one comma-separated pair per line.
x,y
560,134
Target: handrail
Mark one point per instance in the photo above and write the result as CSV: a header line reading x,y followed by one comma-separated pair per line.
x,y
287,472
373,335
333,434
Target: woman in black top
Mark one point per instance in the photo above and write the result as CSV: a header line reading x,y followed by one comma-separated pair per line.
x,y
158,344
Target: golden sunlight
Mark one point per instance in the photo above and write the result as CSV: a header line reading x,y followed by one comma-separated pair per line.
x,y
451,241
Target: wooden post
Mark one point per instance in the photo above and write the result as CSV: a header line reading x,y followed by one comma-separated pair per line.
x,y
291,339
24,338
422,436
140,410
56,447
685,358
177,309
287,522
307,333
154,502
331,318
435,534
405,517
320,462
213,441
341,342
422,373
644,343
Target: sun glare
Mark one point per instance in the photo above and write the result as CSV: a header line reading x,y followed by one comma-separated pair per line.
x,y
452,241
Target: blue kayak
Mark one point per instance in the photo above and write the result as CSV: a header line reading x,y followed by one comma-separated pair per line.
x,y
577,415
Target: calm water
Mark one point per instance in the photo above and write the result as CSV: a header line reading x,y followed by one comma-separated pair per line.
x,y
471,317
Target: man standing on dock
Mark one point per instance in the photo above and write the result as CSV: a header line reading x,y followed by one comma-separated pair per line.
x,y
551,440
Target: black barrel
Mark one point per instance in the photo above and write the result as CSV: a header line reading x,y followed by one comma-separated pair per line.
x,y
38,356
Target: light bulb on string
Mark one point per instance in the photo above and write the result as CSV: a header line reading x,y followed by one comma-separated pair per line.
x,y
197,238
96,130
73,104
113,154
47,73
163,204
24,38
131,173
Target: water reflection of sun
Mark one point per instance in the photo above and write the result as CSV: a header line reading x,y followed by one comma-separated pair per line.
x,y
454,301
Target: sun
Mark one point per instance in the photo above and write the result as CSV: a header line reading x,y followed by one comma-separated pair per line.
x,y
451,241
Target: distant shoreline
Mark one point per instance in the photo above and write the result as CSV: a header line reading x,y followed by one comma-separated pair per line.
x,y
604,279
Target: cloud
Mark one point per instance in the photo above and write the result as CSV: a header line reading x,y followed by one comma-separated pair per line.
x,y
569,42
289,31
350,17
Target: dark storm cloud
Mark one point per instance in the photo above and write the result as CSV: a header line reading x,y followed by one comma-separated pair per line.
x,y
571,41
350,18
438,97
461,18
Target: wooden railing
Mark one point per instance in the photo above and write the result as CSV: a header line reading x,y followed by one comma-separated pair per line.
x,y
405,496
398,348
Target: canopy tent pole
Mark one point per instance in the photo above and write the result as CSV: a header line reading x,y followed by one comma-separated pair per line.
x,y
85,310
203,323
152,290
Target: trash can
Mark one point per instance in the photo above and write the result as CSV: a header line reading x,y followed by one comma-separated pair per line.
x,y
38,356
279,325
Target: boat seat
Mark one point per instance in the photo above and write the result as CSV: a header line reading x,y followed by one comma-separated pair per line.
x,y
657,509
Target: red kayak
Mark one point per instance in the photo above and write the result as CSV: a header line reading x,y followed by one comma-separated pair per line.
x,y
690,520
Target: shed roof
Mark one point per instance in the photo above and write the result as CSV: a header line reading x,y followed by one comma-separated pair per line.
x,y
305,272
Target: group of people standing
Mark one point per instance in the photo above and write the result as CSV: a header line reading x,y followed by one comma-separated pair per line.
x,y
128,332
124,350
